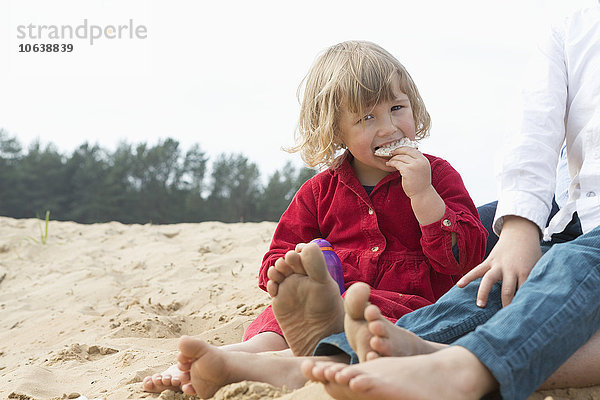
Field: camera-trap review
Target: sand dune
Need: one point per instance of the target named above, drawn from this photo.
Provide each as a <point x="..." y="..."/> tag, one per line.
<point x="97" y="307"/>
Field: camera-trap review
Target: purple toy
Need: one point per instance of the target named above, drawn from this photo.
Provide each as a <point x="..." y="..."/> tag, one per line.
<point x="334" y="265"/>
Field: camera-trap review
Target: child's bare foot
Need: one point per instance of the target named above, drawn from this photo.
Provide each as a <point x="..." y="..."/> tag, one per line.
<point x="371" y="335"/>
<point x="169" y="379"/>
<point x="307" y="301"/>
<point x="454" y="373"/>
<point x="207" y="368"/>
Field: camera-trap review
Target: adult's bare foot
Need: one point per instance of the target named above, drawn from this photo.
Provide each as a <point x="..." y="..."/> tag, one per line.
<point x="167" y="380"/>
<point x="390" y="340"/>
<point x="355" y="324"/>
<point x="306" y="300"/>
<point x="371" y="335"/>
<point x="454" y="373"/>
<point x="206" y="368"/>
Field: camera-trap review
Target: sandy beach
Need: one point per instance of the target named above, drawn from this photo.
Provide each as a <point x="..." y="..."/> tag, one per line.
<point x="97" y="307"/>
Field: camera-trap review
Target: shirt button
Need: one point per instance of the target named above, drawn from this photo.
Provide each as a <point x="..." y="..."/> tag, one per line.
<point x="371" y="211"/>
<point x="446" y="222"/>
<point x="590" y="194"/>
<point x="374" y="249"/>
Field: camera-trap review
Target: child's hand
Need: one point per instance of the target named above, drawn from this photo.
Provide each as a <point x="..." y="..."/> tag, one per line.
<point x="510" y="261"/>
<point x="414" y="168"/>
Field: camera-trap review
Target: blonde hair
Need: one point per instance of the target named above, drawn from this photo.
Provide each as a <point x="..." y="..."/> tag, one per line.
<point x="357" y="75"/>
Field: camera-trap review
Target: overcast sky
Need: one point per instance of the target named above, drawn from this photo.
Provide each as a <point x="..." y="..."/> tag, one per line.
<point x="225" y="74"/>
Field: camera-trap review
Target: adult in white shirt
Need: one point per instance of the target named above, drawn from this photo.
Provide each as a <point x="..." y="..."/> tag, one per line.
<point x="536" y="305"/>
<point x="487" y="211"/>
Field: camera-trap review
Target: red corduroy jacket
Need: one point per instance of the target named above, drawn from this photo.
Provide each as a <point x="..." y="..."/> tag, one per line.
<point x="379" y="239"/>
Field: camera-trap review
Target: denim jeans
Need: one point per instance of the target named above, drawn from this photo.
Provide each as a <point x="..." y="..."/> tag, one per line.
<point x="553" y="314"/>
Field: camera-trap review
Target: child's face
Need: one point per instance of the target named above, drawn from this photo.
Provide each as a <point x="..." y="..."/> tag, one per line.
<point x="387" y="122"/>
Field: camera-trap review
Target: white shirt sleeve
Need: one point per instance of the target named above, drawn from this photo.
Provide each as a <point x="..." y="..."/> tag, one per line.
<point x="527" y="178"/>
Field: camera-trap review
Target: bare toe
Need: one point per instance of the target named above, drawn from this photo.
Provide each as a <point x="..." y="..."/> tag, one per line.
<point x="274" y="275"/>
<point x="372" y="313"/>
<point x="315" y="371"/>
<point x="355" y="325"/>
<point x="380" y="342"/>
<point x="148" y="385"/>
<point x="332" y="369"/>
<point x="283" y="267"/>
<point x="381" y="346"/>
<point x="309" y="370"/>
<point x="167" y="380"/>
<point x="313" y="263"/>
<point x="346" y="374"/>
<point x="371" y="355"/>
<point x="294" y="261"/>
<point x="361" y="383"/>
<point x="357" y="298"/>
<point x="188" y="388"/>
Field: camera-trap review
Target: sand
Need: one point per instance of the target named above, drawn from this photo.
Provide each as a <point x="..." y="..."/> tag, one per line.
<point x="97" y="307"/>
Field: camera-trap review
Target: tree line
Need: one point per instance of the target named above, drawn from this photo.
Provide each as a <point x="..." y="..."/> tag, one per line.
<point x="140" y="183"/>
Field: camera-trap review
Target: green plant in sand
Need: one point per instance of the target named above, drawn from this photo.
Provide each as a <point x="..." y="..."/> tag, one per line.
<point x="43" y="224"/>
<point x="44" y="229"/>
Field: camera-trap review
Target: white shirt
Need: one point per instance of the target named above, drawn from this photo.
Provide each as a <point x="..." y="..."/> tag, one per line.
<point x="561" y="102"/>
<point x="563" y="179"/>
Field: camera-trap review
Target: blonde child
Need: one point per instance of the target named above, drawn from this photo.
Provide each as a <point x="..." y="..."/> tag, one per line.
<point x="405" y="225"/>
<point x="533" y="319"/>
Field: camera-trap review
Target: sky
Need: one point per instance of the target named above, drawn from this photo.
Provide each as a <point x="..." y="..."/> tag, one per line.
<point x="225" y="75"/>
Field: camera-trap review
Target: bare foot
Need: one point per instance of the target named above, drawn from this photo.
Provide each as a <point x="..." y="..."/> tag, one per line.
<point x="371" y="335"/>
<point x="167" y="380"/>
<point x="390" y="340"/>
<point x="355" y="325"/>
<point x="207" y="368"/>
<point x="263" y="342"/>
<point x="306" y="300"/>
<point x="454" y="373"/>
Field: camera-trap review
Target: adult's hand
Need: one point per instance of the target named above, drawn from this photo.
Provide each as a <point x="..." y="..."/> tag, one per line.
<point x="510" y="261"/>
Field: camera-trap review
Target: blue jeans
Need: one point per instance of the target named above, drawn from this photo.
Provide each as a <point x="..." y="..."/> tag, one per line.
<point x="553" y="314"/>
